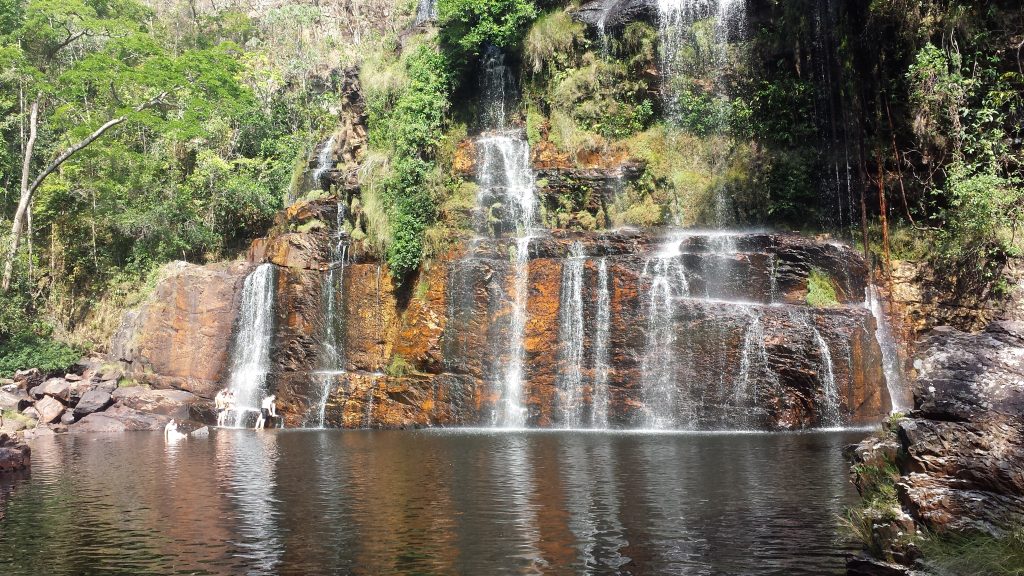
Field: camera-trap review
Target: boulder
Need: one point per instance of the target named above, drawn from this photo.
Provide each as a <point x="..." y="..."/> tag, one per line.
<point x="28" y="378"/>
<point x="72" y="377"/>
<point x="14" y="455"/>
<point x="119" y="418"/>
<point x="68" y="418"/>
<point x="58" y="388"/>
<point x="16" y="400"/>
<point x="94" y="400"/>
<point x="172" y="403"/>
<point x="31" y="413"/>
<point x="49" y="409"/>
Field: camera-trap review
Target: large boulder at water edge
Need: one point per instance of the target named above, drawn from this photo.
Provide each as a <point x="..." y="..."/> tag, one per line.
<point x="963" y="449"/>
<point x="173" y="403"/>
<point x="120" y="419"/>
<point x="49" y="410"/>
<point x="14" y="455"/>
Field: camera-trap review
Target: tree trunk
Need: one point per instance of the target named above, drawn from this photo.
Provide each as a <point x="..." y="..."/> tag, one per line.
<point x="23" y="201"/>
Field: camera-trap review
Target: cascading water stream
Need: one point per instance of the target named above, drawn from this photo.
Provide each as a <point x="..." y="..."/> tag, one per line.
<point x="426" y="11"/>
<point x="599" y="395"/>
<point x="667" y="276"/>
<point x="898" y="393"/>
<point x="333" y="349"/>
<point x="324" y="161"/>
<point x="250" y="357"/>
<point x="507" y="205"/>
<point x="830" y="415"/>
<point x="570" y="380"/>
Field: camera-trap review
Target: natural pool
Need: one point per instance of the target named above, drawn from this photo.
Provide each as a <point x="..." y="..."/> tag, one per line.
<point x="429" y="502"/>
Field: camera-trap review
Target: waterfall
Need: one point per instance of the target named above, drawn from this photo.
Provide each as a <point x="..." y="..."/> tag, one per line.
<point x="894" y="380"/>
<point x="250" y="356"/>
<point x="426" y="11"/>
<point x="506" y="204"/>
<point x="570" y="379"/>
<point x="599" y="395"/>
<point x="512" y="412"/>
<point x="745" y="388"/>
<point x="668" y="282"/>
<point x="332" y="345"/>
<point x="324" y="161"/>
<point x="830" y="415"/>
<point x="676" y="19"/>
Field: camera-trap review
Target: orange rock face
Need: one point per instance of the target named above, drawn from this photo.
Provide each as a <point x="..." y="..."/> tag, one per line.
<point x="743" y="350"/>
<point x="180" y="338"/>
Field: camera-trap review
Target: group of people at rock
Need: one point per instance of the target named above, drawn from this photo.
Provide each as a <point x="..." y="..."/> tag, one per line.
<point x="224" y="403"/>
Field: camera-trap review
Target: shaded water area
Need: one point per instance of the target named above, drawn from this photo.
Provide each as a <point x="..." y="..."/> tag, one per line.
<point x="429" y="502"/>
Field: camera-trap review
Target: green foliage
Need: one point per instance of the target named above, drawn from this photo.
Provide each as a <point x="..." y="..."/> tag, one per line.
<point x="552" y="41"/>
<point x="975" y="554"/>
<point x="821" y="292"/>
<point x="409" y="123"/>
<point x="470" y="25"/>
<point x="399" y="367"/>
<point x="31" y="351"/>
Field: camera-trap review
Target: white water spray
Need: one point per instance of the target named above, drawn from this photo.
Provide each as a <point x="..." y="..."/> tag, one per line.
<point x="250" y="362"/>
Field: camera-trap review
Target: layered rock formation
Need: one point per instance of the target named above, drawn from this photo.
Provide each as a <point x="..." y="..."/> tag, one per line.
<point x="750" y="352"/>
<point x="960" y="452"/>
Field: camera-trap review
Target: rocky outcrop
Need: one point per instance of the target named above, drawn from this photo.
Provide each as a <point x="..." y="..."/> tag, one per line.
<point x="960" y="452"/>
<point x="614" y="14"/>
<point x="963" y="448"/>
<point x="14" y="455"/>
<point x="180" y="338"/>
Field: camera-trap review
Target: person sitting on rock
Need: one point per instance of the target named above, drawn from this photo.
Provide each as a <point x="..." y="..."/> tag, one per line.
<point x="268" y="409"/>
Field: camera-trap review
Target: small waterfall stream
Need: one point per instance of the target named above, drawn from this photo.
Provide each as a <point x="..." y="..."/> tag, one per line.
<point x="570" y="380"/>
<point x="251" y="352"/>
<point x="666" y="274"/>
<point x="324" y="161"/>
<point x="830" y="415"/>
<point x="599" y="395"/>
<point x="894" y="379"/>
<point x="426" y="11"/>
<point x="333" y="344"/>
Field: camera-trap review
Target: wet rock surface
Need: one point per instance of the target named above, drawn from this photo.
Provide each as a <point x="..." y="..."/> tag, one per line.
<point x="180" y="338"/>
<point x="960" y="452"/>
<point x="613" y="14"/>
<point x="963" y="447"/>
<point x="434" y="351"/>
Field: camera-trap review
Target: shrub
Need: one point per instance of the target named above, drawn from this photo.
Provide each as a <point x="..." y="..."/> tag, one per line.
<point x="974" y="554"/>
<point x="32" y="351"/>
<point x="821" y="293"/>
<point x="469" y="25"/>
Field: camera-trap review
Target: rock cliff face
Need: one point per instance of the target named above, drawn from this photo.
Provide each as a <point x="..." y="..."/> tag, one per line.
<point x="180" y="338"/>
<point x="960" y="452"/>
<point x="744" y="351"/>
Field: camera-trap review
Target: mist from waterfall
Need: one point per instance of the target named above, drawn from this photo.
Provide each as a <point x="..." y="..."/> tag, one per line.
<point x="250" y="355"/>
<point x="571" y="337"/>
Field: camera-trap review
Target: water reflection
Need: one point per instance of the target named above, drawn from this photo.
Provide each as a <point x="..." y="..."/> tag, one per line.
<point x="328" y="502"/>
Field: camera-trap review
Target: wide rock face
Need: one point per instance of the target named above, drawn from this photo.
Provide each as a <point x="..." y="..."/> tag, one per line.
<point x="180" y="338"/>
<point x="14" y="455"/>
<point x="962" y="454"/>
<point x="682" y="330"/>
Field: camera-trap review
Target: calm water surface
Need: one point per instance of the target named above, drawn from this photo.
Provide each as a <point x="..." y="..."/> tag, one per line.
<point x="479" y="503"/>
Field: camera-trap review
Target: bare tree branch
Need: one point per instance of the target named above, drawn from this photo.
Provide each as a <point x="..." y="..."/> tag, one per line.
<point x="28" y="189"/>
